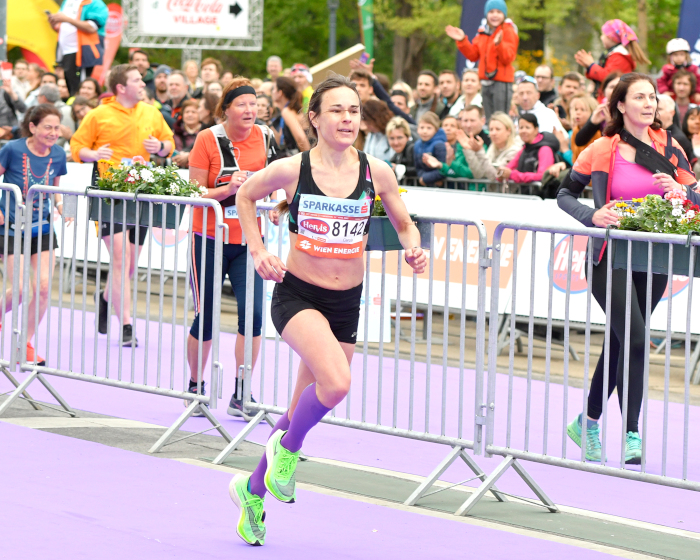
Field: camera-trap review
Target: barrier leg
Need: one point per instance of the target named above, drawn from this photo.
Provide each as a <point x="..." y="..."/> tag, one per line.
<point x="21" y="389"/>
<point x="455" y="453"/>
<point x="481" y="475"/>
<point x="433" y="476"/>
<point x="165" y="438"/>
<point x="18" y="391"/>
<point x="55" y="395"/>
<point x="219" y="428"/>
<point x="242" y="435"/>
<point x="488" y="484"/>
<point x="549" y="504"/>
<point x="27" y="397"/>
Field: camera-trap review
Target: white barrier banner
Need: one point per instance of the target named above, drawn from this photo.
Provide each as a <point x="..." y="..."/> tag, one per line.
<point x="578" y="299"/>
<point x="490" y="208"/>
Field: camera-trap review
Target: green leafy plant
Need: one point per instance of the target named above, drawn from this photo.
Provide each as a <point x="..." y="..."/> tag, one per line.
<point x="143" y="179"/>
<point x="672" y="213"/>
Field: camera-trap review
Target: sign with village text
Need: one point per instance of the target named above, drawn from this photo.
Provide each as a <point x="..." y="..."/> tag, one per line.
<point x="194" y="18"/>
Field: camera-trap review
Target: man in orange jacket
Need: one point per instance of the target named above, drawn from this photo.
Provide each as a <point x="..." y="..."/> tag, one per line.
<point x="123" y="127"/>
<point x="494" y="48"/>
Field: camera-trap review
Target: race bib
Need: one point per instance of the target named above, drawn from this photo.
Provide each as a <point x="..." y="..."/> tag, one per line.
<point x="331" y="227"/>
<point x="230" y="213"/>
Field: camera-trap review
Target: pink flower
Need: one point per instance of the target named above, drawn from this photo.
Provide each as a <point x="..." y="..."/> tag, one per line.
<point x="675" y="194"/>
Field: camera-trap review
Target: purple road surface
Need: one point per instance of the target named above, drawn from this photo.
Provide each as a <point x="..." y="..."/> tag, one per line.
<point x="68" y="498"/>
<point x="645" y="502"/>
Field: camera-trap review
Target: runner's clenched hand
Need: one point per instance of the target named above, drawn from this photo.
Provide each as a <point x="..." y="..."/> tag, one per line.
<point x="416" y="259"/>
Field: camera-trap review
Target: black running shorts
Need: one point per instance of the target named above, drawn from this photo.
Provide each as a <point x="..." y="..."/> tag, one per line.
<point x="340" y="307"/>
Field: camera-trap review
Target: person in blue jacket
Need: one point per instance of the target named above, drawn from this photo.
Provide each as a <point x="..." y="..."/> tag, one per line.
<point x="81" y="38"/>
<point x="34" y="159"/>
<point x="431" y="142"/>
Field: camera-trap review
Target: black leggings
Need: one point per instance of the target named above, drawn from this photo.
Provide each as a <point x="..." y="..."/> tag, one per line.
<point x="638" y="302"/>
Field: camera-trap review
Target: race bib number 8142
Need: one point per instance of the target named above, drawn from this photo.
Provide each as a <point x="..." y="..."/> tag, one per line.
<point x="331" y="227"/>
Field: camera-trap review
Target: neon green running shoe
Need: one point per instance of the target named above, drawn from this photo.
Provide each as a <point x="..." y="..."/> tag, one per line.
<point x="593" y="447"/>
<point x="251" y="518"/>
<point x="281" y="466"/>
<point x="633" y="449"/>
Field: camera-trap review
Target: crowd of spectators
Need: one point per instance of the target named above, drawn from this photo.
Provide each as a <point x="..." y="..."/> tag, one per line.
<point x="490" y="123"/>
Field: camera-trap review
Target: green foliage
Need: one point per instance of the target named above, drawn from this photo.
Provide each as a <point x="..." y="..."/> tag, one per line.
<point x="423" y="19"/>
<point x="428" y="17"/>
<point x="163" y="181"/>
<point x="529" y="15"/>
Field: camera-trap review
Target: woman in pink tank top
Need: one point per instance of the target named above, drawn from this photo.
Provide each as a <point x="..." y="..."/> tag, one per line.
<point x="608" y="164"/>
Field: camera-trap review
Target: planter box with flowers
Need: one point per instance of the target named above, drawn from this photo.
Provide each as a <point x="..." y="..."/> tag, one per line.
<point x="382" y="235"/>
<point x="672" y="213"/>
<point x="143" y="179"/>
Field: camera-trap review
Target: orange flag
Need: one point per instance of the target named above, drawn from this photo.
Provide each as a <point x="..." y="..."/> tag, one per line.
<point x="113" y="38"/>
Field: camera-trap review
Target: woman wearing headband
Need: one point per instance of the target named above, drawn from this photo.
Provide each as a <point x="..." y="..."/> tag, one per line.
<point x="622" y="53"/>
<point x="222" y="158"/>
<point x="330" y="191"/>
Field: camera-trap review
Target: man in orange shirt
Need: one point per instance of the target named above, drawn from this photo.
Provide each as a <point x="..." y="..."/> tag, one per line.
<point x="121" y="128"/>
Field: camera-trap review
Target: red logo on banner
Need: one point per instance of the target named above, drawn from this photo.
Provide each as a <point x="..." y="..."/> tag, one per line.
<point x="578" y="264"/>
<point x="678" y="283"/>
<point x="195" y="6"/>
<point x="114" y="22"/>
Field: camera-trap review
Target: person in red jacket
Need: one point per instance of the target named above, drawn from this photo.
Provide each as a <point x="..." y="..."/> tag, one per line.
<point x="623" y="53"/>
<point x="494" y="47"/>
<point x="678" y="51"/>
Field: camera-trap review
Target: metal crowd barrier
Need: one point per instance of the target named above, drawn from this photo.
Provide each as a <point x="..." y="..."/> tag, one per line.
<point x="487" y="185"/>
<point x="386" y="396"/>
<point x="409" y="391"/>
<point x="8" y="356"/>
<point x="71" y="346"/>
<point x="526" y="419"/>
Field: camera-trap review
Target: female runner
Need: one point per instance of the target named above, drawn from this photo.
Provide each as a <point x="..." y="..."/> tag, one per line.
<point x="316" y="303"/>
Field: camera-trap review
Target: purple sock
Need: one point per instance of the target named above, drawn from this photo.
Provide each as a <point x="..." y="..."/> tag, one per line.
<point x="308" y="413"/>
<point x="256" y="485"/>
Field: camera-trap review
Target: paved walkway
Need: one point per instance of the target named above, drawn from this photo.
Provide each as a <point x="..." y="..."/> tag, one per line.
<point x="86" y="500"/>
<point x="106" y="496"/>
<point x="97" y="493"/>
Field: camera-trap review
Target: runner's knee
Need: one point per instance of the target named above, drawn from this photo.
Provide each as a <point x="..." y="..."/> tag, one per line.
<point x="337" y="386"/>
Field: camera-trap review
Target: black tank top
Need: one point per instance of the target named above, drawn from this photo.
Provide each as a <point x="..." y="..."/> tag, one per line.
<point x="307" y="185"/>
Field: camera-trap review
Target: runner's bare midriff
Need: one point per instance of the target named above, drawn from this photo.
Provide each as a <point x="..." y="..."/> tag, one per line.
<point x="332" y="274"/>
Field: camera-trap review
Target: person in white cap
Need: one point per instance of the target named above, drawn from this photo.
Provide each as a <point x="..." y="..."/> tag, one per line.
<point x="302" y="77"/>
<point x="678" y="51"/>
